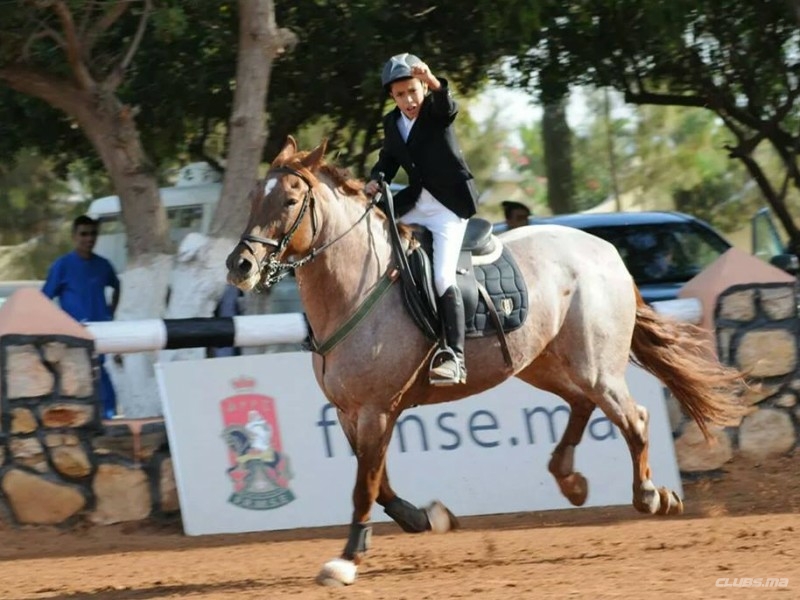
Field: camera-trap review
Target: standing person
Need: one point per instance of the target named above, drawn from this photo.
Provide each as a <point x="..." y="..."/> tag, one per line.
<point x="79" y="281"/>
<point x="516" y="213"/>
<point x="441" y="195"/>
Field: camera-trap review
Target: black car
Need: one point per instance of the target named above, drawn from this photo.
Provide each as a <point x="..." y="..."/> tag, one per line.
<point x="662" y="250"/>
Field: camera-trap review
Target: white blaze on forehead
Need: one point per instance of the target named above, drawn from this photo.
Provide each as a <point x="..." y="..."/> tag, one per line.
<point x="269" y="184"/>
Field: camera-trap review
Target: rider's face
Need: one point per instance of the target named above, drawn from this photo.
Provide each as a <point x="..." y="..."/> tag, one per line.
<point x="408" y="94"/>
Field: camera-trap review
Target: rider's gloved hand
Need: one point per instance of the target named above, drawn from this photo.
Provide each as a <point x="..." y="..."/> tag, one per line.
<point x="371" y="188"/>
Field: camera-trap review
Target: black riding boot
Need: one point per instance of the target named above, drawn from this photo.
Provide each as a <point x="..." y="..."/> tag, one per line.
<point x="448" y="367"/>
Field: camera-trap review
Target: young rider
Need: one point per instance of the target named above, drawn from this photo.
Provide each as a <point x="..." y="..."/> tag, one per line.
<point x="419" y="136"/>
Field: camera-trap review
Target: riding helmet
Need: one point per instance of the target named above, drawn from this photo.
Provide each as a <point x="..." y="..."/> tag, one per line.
<point x="398" y="67"/>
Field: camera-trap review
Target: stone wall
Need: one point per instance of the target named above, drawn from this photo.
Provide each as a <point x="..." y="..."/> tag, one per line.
<point x="59" y="463"/>
<point x="757" y="330"/>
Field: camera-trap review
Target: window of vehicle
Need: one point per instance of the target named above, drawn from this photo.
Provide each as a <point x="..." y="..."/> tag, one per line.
<point x="664" y="252"/>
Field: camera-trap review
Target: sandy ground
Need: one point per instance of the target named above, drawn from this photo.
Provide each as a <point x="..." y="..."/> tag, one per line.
<point x="742" y="525"/>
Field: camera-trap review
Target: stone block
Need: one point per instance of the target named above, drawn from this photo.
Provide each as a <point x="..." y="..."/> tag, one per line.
<point x="76" y="373"/>
<point x="122" y="494"/>
<point x="67" y="414"/>
<point x="786" y="400"/>
<point x="695" y="454"/>
<point x="738" y="306"/>
<point x="28" y="451"/>
<point x="51" y="439"/>
<point x="71" y="461"/>
<point x="779" y="303"/>
<point x="36" y="500"/>
<point x="766" y="432"/>
<point x="767" y="353"/>
<point x="23" y="421"/>
<point x="26" y="375"/>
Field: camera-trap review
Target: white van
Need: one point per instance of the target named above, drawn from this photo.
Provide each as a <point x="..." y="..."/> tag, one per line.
<point x="190" y="206"/>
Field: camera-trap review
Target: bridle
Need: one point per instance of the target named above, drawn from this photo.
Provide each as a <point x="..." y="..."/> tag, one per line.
<point x="272" y="269"/>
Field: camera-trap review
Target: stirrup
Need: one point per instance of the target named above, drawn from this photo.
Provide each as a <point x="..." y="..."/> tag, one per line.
<point x="446" y="368"/>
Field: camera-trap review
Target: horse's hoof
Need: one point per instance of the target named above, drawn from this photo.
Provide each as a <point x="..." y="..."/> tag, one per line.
<point x="647" y="499"/>
<point x="337" y="573"/>
<point x="575" y="488"/>
<point x="670" y="503"/>
<point x="440" y="517"/>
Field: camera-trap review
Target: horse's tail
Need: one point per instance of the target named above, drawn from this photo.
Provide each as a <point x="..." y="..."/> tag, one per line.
<point x="677" y="353"/>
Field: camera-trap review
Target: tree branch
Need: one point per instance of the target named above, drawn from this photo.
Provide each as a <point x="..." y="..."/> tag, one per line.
<point x="88" y="9"/>
<point x="104" y="23"/>
<point x="73" y="46"/>
<point x="118" y="73"/>
<point x="44" y="33"/>
<point x="58" y="92"/>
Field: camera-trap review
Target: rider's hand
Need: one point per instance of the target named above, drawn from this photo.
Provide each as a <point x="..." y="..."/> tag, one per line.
<point x="371" y="188"/>
<point x="422" y="72"/>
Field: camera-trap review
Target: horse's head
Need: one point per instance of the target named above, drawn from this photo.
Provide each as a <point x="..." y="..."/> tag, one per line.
<point x="282" y="223"/>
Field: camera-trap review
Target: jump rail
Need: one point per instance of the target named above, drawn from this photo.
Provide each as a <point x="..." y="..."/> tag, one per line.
<point x="119" y="337"/>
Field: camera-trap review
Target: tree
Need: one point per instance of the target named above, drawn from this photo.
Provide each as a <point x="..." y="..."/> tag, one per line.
<point x="57" y="54"/>
<point x="737" y="59"/>
<point x="57" y="58"/>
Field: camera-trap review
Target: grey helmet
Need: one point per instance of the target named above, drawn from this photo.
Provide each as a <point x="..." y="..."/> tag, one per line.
<point x="398" y="67"/>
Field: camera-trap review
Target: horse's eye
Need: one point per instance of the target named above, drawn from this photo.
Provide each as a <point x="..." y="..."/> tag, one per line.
<point x="290" y="201"/>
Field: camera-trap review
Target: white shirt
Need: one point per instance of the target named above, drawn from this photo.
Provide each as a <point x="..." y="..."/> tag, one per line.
<point x="426" y="199"/>
<point x="404" y="124"/>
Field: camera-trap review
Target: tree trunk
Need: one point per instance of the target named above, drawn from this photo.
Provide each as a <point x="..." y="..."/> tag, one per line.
<point x="198" y="280"/>
<point x="557" y="139"/>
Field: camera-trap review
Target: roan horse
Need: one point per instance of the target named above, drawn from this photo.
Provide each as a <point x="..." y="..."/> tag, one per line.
<point x="587" y="321"/>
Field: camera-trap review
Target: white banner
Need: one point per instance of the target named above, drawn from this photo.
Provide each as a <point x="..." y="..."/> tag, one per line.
<point x="256" y="446"/>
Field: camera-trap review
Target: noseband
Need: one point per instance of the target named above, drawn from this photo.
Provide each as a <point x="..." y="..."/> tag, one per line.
<point x="271" y="268"/>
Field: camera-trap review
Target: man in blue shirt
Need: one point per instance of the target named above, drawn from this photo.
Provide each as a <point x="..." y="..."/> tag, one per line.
<point x="79" y="281"/>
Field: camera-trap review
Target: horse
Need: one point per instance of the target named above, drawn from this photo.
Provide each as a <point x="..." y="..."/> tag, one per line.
<point x="587" y="322"/>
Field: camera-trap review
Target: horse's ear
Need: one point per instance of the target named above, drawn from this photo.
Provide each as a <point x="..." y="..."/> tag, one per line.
<point x="289" y="149"/>
<point x="314" y="158"/>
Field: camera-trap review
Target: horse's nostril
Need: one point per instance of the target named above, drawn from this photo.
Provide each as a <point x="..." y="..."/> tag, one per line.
<point x="244" y="265"/>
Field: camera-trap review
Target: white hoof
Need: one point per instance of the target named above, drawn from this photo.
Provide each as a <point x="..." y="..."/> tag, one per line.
<point x="338" y="572"/>
<point x="441" y="519"/>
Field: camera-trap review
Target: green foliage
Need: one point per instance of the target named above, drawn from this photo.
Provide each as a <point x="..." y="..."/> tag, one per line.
<point x="736" y="59"/>
<point x="31" y="198"/>
<point x="182" y="78"/>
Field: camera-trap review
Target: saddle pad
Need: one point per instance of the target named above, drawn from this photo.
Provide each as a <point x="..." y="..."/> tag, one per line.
<point x="503" y="280"/>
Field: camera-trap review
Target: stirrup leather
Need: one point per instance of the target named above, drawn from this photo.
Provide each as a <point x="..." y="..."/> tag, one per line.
<point x="447" y="368"/>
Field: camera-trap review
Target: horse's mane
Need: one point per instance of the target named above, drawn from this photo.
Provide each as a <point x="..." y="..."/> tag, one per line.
<point x="341" y="177"/>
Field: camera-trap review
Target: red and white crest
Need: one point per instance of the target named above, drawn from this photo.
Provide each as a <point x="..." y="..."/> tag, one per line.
<point x="259" y="469"/>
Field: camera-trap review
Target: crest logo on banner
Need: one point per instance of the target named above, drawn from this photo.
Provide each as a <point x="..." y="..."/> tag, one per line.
<point x="259" y="469"/>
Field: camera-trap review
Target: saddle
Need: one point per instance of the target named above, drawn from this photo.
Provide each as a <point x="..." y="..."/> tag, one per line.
<point x="492" y="287"/>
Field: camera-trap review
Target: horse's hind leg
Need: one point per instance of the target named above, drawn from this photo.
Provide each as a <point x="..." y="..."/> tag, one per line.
<point x="562" y="462"/>
<point x="616" y="402"/>
<point x="582" y="391"/>
<point x="573" y="484"/>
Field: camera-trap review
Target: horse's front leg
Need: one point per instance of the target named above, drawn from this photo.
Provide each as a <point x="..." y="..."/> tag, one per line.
<point x="369" y="433"/>
<point x="435" y="517"/>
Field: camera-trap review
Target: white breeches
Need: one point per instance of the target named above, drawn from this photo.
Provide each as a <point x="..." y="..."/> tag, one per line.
<point x="448" y="233"/>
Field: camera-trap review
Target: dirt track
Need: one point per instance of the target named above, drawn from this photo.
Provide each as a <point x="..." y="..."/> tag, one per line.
<point x="744" y="525"/>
